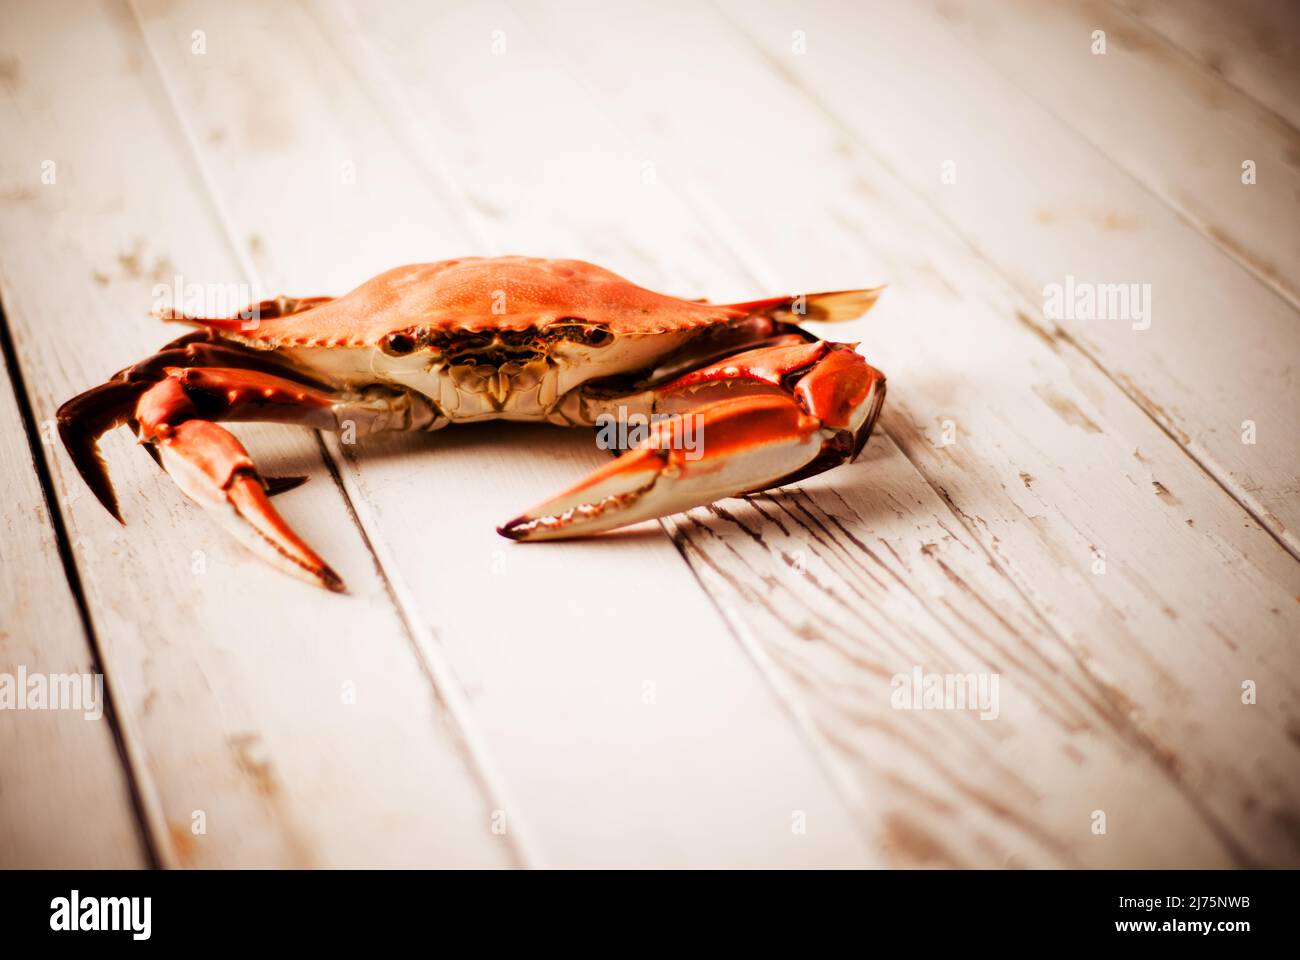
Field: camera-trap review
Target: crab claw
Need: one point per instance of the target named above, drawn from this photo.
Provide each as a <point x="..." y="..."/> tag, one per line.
<point x="749" y="443"/>
<point x="772" y="434"/>
<point x="87" y="417"/>
<point x="213" y="469"/>
<point x="172" y="409"/>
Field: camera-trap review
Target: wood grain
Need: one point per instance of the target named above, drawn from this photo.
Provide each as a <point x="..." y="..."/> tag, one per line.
<point x="1062" y="505"/>
<point x="1254" y="46"/>
<point x="1177" y="128"/>
<point x="232" y="683"/>
<point x="1042" y="205"/>
<point x="744" y="553"/>
<point x="1042" y="484"/>
<point x="54" y="764"/>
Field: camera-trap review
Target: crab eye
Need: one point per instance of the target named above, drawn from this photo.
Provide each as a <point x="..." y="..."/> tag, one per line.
<point x="398" y="344"/>
<point x="598" y="336"/>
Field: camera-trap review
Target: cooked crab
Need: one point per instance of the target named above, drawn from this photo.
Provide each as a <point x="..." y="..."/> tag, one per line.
<point x="738" y="398"/>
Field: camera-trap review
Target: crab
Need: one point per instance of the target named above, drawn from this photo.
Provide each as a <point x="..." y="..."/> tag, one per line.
<point x="730" y="399"/>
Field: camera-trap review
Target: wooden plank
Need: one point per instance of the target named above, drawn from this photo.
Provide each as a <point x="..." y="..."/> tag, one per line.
<point x="627" y="722"/>
<point x="1052" y="468"/>
<point x="1177" y="128"/>
<point x="883" y="555"/>
<point x="1041" y="204"/>
<point x="1254" y="46"/>
<point x="294" y="728"/>
<point x="55" y="764"/>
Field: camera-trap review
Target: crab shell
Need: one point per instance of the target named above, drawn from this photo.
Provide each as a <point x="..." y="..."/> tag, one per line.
<point x="506" y="337"/>
<point x="421" y="301"/>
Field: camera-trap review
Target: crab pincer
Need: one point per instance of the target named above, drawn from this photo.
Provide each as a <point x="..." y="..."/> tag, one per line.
<point x="764" y="435"/>
<point x="176" y="416"/>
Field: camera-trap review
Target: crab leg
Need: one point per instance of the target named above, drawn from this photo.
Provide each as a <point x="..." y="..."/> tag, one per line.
<point x="203" y="348"/>
<point x="174" y="411"/>
<point x="251" y="316"/>
<point x="84" y="418"/>
<point x="758" y="419"/>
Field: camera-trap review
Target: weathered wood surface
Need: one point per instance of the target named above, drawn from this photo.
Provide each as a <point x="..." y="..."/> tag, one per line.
<point x="687" y="698"/>
<point x="1043" y="487"/>
<point x="1254" y="46"/>
<point x="745" y="554"/>
<point x="1227" y="164"/>
<point x="1042" y="204"/>
<point x="230" y="681"/>
<point x="54" y="764"/>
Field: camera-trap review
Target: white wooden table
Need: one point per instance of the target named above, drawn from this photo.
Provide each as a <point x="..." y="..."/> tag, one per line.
<point x="1104" y="515"/>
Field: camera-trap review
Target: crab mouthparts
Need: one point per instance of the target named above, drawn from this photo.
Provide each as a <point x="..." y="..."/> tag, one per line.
<point x="498" y="380"/>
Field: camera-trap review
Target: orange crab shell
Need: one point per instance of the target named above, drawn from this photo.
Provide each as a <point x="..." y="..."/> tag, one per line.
<point x="473" y="294"/>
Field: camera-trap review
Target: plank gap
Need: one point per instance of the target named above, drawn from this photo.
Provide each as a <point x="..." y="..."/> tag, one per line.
<point x="145" y="810"/>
